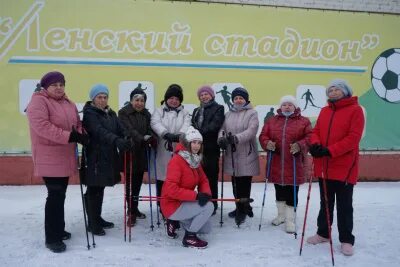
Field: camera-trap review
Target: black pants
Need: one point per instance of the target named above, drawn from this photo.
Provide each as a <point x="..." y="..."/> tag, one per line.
<point x="285" y="193"/>
<point x="211" y="169"/>
<point x="344" y="209"/>
<point x="133" y="189"/>
<point x="241" y="186"/>
<point x="54" y="223"/>
<point x="94" y="203"/>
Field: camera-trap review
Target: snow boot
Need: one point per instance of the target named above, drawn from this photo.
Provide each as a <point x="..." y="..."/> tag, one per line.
<point x="93" y="211"/>
<point x="131" y="220"/>
<point x="347" y="249"/>
<point x="191" y="240"/>
<point x="171" y="229"/>
<point x="232" y="214"/>
<point x="66" y="235"/>
<point x="317" y="239"/>
<point x="56" y="247"/>
<point x="105" y="224"/>
<point x="290" y="225"/>
<point x="241" y="213"/>
<point x="280" y="218"/>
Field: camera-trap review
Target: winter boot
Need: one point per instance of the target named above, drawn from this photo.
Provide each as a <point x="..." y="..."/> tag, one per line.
<point x="131" y="220"/>
<point x="232" y="214"/>
<point x="105" y="224"/>
<point x="290" y="224"/>
<point x="139" y="215"/>
<point x="241" y="214"/>
<point x="171" y="229"/>
<point x="192" y="241"/>
<point x="281" y="205"/>
<point x="347" y="249"/>
<point x="66" y="235"/>
<point x="316" y="239"/>
<point x="250" y="212"/>
<point x="56" y="247"/>
<point x="93" y="210"/>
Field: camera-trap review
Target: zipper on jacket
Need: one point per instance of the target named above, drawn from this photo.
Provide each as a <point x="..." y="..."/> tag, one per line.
<point x="327" y="137"/>
<point x="282" y="150"/>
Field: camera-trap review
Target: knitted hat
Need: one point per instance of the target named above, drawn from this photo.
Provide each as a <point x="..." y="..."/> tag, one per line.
<point x="193" y="134"/>
<point x="205" y="89"/>
<point x="98" y="89"/>
<point x="50" y="78"/>
<point x="174" y="90"/>
<point x="136" y="92"/>
<point x="240" y="91"/>
<point x="288" y="99"/>
<point x="342" y="85"/>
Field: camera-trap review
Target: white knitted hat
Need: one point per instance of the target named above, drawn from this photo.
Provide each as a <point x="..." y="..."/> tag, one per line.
<point x="193" y="134"/>
<point x="289" y="99"/>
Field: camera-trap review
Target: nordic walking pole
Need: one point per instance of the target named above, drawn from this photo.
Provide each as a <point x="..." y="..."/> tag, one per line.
<point x="155" y="181"/>
<point x="149" y="182"/>
<point x="233" y="150"/>
<point x="269" y="159"/>
<point x="130" y="194"/>
<point x="306" y="212"/>
<point x="222" y="182"/>
<point x="328" y="220"/>
<point x="125" y="199"/>
<point x="81" y="168"/>
<point x="294" y="195"/>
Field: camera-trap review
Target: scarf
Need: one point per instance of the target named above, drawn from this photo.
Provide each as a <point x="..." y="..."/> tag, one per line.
<point x="192" y="159"/>
<point x="200" y="119"/>
<point x="237" y="108"/>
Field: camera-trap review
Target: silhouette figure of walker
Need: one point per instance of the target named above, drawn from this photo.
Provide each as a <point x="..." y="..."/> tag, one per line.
<point x="139" y="86"/>
<point x="269" y="115"/>
<point x="226" y="96"/>
<point x="309" y="98"/>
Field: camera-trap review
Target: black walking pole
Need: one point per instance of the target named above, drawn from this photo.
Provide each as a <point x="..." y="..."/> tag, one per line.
<point x="222" y="182"/>
<point x="233" y="150"/>
<point x="294" y="195"/>
<point x="267" y="174"/>
<point x="82" y="170"/>
<point x="148" y="150"/>
<point x="155" y="181"/>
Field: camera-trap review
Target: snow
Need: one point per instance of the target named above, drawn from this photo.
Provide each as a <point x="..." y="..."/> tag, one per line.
<point x="376" y="220"/>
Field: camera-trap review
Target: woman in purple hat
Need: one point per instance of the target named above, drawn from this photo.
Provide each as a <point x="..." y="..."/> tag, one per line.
<point x="55" y="129"/>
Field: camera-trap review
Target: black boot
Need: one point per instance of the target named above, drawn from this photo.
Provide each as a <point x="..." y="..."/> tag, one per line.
<point x="105" y="224"/>
<point x="66" y="235"/>
<point x="93" y="210"/>
<point x="232" y="214"/>
<point x="241" y="214"/>
<point x="56" y="247"/>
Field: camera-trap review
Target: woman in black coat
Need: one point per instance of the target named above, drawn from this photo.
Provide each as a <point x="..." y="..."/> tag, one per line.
<point x="208" y="119"/>
<point x="136" y="120"/>
<point x="102" y="157"/>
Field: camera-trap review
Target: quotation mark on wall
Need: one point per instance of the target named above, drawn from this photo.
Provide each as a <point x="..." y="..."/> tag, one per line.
<point x="370" y="41"/>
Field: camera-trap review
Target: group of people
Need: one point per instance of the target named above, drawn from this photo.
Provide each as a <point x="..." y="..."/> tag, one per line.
<point x="187" y="152"/>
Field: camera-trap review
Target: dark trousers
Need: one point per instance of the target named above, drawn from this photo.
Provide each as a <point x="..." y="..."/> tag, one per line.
<point x="159" y="185"/>
<point x="54" y="223"/>
<point x="241" y="186"/>
<point x="344" y="209"/>
<point x="133" y="189"/>
<point x="94" y="203"/>
<point x="285" y="193"/>
<point x="211" y="169"/>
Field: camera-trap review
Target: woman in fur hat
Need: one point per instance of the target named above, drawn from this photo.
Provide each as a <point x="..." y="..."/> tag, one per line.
<point x="286" y="135"/>
<point x="180" y="202"/>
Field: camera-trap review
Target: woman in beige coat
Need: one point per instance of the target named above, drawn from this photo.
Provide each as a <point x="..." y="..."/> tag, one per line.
<point x="238" y="137"/>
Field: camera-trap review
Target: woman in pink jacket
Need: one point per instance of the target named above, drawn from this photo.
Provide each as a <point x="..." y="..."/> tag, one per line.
<point x="54" y="124"/>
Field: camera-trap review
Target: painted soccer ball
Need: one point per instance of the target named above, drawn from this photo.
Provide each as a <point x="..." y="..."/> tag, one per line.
<point x="385" y="75"/>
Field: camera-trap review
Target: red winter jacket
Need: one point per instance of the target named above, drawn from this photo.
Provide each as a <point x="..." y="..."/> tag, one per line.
<point x="339" y="127"/>
<point x="180" y="183"/>
<point x="285" y="131"/>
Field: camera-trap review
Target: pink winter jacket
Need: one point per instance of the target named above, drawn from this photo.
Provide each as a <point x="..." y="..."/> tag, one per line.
<point x="50" y="124"/>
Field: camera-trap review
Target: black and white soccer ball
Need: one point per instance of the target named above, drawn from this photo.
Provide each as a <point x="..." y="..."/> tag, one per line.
<point x="385" y="75"/>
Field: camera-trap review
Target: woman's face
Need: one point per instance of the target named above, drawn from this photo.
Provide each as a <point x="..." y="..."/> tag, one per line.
<point x="173" y="102"/>
<point x="205" y="97"/>
<point x="195" y="146"/>
<point x="101" y="101"/>
<point x="56" y="90"/>
<point x="335" y="93"/>
<point x="138" y="103"/>
<point x="287" y="107"/>
<point x="238" y="100"/>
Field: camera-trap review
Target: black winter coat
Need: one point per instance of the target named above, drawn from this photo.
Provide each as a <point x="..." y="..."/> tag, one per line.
<point x="102" y="157"/>
<point x="214" y="117"/>
<point x="137" y="125"/>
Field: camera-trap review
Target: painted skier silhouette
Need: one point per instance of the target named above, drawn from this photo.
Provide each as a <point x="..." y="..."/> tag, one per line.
<point x="309" y="98"/>
<point x="226" y="96"/>
<point x="38" y="87"/>
<point x="269" y="115"/>
<point x="139" y="86"/>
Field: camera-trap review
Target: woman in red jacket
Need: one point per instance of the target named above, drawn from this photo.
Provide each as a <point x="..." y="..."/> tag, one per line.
<point x="180" y="202"/>
<point x="286" y="135"/>
<point x="335" y="140"/>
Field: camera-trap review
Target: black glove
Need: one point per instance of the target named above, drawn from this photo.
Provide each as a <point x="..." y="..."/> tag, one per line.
<point x="314" y="149"/>
<point x="123" y="144"/>
<point x="232" y="139"/>
<point x="318" y="151"/>
<point x="223" y="143"/>
<point x="77" y="137"/>
<point x="202" y="198"/>
<point x="168" y="137"/>
<point x="175" y="138"/>
<point x="152" y="142"/>
<point x="324" y="151"/>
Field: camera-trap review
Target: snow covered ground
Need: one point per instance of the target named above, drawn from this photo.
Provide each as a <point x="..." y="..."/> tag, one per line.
<point x="376" y="227"/>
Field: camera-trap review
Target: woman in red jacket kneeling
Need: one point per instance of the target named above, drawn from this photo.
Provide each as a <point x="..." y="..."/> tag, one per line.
<point x="180" y="202"/>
